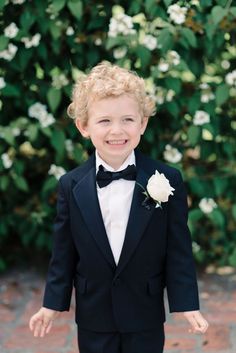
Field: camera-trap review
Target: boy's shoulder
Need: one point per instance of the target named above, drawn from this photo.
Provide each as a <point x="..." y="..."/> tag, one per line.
<point x="78" y="172"/>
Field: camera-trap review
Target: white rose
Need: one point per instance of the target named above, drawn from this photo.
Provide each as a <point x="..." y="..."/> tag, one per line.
<point x="159" y="187"/>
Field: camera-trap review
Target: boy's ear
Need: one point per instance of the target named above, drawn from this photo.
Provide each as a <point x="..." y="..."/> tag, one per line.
<point x="82" y="127"/>
<point x="144" y="124"/>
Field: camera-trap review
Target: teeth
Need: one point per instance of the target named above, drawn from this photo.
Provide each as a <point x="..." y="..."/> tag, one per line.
<point x="119" y="142"/>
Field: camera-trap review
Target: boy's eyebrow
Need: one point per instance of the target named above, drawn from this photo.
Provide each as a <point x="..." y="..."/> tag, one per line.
<point x="109" y="116"/>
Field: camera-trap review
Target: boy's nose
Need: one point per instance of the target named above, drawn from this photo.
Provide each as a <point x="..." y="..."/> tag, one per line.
<point x="116" y="128"/>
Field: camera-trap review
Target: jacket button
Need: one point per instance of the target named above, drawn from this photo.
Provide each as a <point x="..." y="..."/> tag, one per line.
<point x="116" y="282"/>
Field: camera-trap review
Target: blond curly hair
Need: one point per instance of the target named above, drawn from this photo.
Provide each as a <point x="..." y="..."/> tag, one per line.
<point x="108" y="80"/>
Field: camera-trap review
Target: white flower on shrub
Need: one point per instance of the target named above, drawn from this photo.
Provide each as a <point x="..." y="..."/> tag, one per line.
<point x="31" y="42"/>
<point x="120" y="24"/>
<point x="11" y="30"/>
<point x="196" y="247"/>
<point x="150" y="42"/>
<point x="6" y="161"/>
<point x="177" y="13"/>
<point x="56" y="171"/>
<point x="9" y="53"/>
<point x="172" y="154"/>
<point x="230" y="78"/>
<point x="173" y="57"/>
<point x="163" y="66"/>
<point x="207" y="97"/>
<point x="15" y="131"/>
<point x="17" y="2"/>
<point x="159" y="95"/>
<point x="207" y="205"/>
<point x="59" y="81"/>
<point x="201" y="117"/>
<point x="98" y="42"/>
<point x="69" y="145"/>
<point x="225" y="64"/>
<point x="119" y="53"/>
<point x="47" y="120"/>
<point x="206" y="94"/>
<point x="70" y="31"/>
<point x="2" y="82"/>
<point x="39" y="112"/>
<point x="169" y="95"/>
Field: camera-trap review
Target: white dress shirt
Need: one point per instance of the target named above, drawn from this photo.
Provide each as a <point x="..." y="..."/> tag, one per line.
<point x="115" y="202"/>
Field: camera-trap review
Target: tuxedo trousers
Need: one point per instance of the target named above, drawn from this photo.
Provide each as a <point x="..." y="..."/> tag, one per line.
<point x="150" y="341"/>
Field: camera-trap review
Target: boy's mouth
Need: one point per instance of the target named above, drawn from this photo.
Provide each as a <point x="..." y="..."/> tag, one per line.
<point x="117" y="142"/>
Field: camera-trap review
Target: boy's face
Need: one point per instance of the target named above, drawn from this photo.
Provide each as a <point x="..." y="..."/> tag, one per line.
<point x="114" y="126"/>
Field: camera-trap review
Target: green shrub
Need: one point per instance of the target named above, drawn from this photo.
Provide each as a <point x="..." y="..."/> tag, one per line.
<point x="185" y="52"/>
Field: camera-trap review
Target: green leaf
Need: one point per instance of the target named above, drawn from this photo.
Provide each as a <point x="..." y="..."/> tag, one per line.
<point x="76" y="8"/>
<point x="2" y="4"/>
<point x="210" y="29"/>
<point x="195" y="215"/>
<point x="33" y="132"/>
<point x="11" y="91"/>
<point x="189" y="36"/>
<point x="27" y="19"/>
<point x="58" y="141"/>
<point x="217" y="217"/>
<point x="193" y="134"/>
<point x="144" y="55"/>
<point x="8" y="136"/>
<point x="54" y="98"/>
<point x="168" y="2"/>
<point x="173" y="83"/>
<point x="221" y="185"/>
<point x="3" y="42"/>
<point x="50" y="184"/>
<point x="115" y="41"/>
<point x="172" y="108"/>
<point x="222" y="94"/>
<point x="4" y="182"/>
<point x="218" y="13"/>
<point x="234" y="211"/>
<point x="205" y="3"/>
<point x="21" y="183"/>
<point x="57" y="5"/>
<point x="233" y="11"/>
<point x="232" y="258"/>
<point x="165" y="39"/>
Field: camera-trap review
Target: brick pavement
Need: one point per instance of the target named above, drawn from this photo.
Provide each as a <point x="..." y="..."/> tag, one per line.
<point x="21" y="293"/>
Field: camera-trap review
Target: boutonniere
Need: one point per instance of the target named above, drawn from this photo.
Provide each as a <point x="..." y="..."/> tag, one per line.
<point x="158" y="190"/>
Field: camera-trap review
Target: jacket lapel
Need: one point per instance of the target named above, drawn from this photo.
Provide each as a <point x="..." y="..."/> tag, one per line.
<point x="85" y="194"/>
<point x="138" y="218"/>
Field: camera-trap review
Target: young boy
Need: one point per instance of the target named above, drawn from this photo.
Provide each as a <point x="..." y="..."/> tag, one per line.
<point x="120" y="235"/>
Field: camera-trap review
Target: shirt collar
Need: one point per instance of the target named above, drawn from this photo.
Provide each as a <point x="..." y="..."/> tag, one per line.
<point x="129" y="161"/>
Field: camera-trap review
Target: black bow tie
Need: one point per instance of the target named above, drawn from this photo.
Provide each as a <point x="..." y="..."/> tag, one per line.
<point x="104" y="178"/>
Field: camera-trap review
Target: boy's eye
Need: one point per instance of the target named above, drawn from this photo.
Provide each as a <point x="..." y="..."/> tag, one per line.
<point x="104" y="121"/>
<point x="129" y="119"/>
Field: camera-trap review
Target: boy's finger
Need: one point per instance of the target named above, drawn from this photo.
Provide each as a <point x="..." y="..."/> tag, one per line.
<point x="49" y="327"/>
<point x="45" y="325"/>
<point x="37" y="328"/>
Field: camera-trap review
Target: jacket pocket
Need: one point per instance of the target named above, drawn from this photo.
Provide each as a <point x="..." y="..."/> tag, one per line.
<point x="80" y="284"/>
<point x="155" y="285"/>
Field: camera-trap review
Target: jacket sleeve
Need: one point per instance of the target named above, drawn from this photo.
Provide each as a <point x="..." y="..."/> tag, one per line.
<point x="181" y="281"/>
<point x="59" y="284"/>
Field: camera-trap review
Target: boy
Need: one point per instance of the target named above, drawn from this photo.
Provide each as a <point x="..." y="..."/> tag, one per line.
<point x="117" y="244"/>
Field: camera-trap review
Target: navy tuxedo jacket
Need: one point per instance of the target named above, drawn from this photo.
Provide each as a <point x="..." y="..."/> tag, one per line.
<point x="156" y="254"/>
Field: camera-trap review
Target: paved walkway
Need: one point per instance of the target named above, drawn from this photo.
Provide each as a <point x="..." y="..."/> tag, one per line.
<point x="21" y="293"/>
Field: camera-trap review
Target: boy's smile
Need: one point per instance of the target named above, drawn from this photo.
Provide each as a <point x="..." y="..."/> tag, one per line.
<point x="115" y="127"/>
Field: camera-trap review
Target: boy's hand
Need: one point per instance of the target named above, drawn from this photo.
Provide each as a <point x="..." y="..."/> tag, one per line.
<point x="41" y="322"/>
<point x="197" y="321"/>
